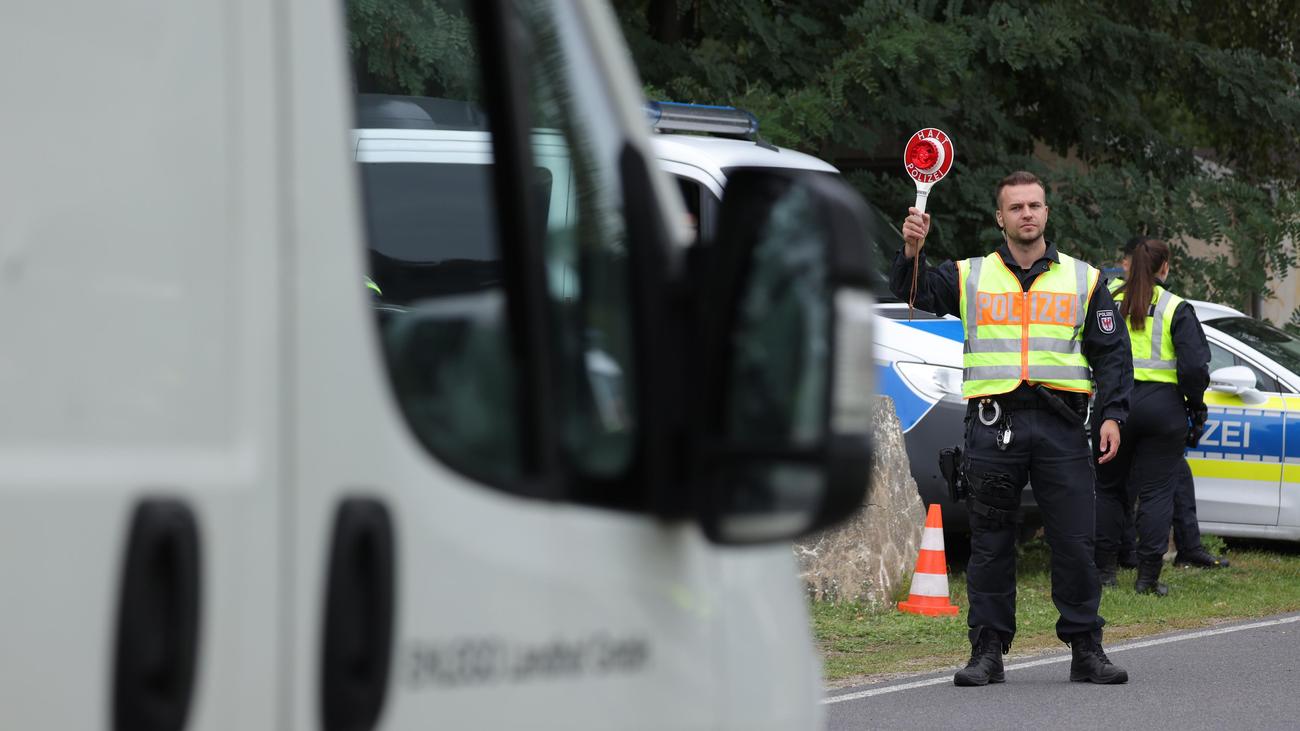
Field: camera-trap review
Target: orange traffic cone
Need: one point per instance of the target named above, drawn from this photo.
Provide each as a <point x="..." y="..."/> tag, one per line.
<point x="930" y="581"/>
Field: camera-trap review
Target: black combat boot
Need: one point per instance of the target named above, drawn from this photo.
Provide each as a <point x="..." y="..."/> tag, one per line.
<point x="1200" y="558"/>
<point x="1148" y="579"/>
<point x="1106" y="568"/>
<point x="985" y="664"/>
<point x="1090" y="663"/>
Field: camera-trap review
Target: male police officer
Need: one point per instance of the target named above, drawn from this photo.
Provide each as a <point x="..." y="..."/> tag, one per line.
<point x="1038" y="329"/>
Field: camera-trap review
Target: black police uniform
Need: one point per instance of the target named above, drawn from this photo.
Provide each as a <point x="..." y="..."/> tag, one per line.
<point x="1150" y="465"/>
<point x="1047" y="450"/>
<point x="1186" y="527"/>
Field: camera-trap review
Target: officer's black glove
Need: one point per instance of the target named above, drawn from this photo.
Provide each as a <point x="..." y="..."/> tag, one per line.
<point x="1196" y="424"/>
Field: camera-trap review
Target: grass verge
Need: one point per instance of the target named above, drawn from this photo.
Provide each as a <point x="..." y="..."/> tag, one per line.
<point x="860" y="644"/>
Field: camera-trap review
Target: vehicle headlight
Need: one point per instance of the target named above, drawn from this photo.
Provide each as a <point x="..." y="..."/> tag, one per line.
<point x="935" y="381"/>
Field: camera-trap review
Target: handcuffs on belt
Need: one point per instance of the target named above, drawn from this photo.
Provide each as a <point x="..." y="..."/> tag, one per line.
<point x="1001" y="419"/>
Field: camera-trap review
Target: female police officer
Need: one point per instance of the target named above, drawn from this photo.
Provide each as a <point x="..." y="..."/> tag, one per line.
<point x="1170" y="373"/>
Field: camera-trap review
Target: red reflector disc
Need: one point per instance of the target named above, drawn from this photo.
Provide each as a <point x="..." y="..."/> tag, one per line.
<point x="923" y="154"/>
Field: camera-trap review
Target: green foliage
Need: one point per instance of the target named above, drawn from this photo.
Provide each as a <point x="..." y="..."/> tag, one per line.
<point x="1172" y="118"/>
<point x="412" y="47"/>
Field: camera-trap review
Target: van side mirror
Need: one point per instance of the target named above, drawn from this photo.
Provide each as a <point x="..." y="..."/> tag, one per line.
<point x="784" y="311"/>
<point x="1237" y="380"/>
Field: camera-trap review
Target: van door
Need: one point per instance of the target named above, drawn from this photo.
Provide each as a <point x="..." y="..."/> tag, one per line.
<point x="519" y="593"/>
<point x="140" y="479"/>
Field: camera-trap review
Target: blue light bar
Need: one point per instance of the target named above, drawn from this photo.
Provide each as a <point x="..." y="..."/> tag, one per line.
<point x="724" y="121"/>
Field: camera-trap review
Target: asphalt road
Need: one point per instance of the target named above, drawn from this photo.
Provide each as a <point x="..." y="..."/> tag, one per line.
<point x="1244" y="675"/>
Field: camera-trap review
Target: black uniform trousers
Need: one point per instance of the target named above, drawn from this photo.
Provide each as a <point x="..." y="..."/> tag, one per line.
<point x="1150" y="466"/>
<point x="1187" y="529"/>
<point x="1053" y="454"/>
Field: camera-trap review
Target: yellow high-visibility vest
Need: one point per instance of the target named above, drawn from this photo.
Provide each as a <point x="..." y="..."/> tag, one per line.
<point x="1153" y="346"/>
<point x="1014" y="336"/>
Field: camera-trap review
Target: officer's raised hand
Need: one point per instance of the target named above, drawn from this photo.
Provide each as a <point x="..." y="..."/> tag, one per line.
<point x="915" y="228"/>
<point x="1109" y="441"/>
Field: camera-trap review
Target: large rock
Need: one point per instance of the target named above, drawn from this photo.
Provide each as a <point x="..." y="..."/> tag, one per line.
<point x="872" y="555"/>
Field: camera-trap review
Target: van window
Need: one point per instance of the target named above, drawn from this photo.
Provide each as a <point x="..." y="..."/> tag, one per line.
<point x="427" y="178"/>
<point x="594" y="315"/>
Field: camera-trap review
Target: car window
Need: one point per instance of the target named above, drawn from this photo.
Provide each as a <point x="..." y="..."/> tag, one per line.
<point x="1273" y="342"/>
<point x="405" y="201"/>
<point x="693" y="198"/>
<point x="1221" y="357"/>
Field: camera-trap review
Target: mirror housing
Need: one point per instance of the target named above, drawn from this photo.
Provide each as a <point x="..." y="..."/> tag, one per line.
<point x="1236" y="380"/>
<point x="779" y="432"/>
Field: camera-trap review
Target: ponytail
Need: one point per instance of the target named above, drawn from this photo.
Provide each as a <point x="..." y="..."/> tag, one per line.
<point x="1147" y="257"/>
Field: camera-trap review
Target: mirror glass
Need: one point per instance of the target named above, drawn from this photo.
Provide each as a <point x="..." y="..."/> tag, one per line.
<point x="781" y="343"/>
<point x="779" y="376"/>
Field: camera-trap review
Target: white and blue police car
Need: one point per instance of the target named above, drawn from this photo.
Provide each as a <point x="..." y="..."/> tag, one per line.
<point x="1247" y="466"/>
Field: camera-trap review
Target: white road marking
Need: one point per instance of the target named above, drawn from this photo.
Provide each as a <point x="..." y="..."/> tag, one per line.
<point x="1062" y="658"/>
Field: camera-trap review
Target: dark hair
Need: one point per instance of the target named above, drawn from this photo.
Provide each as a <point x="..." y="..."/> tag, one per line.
<point x="1146" y="258"/>
<point x="1019" y="177"/>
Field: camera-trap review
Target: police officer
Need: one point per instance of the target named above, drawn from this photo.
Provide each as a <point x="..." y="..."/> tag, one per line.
<point x="1187" y="530"/>
<point x="1039" y="327"/>
<point x="1171" y="372"/>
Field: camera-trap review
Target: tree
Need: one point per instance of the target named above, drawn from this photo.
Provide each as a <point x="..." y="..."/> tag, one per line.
<point x="1170" y="118"/>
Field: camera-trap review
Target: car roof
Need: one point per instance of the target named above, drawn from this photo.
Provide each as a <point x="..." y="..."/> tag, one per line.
<point x="1206" y="311"/>
<point x="717" y="154"/>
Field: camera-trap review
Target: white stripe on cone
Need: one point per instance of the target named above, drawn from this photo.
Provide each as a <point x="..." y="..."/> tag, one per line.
<point x="930" y="585"/>
<point x="932" y="539"/>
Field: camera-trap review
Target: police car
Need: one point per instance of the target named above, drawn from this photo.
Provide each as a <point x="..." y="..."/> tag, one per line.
<point x="1247" y="466"/>
<point x="917" y="356"/>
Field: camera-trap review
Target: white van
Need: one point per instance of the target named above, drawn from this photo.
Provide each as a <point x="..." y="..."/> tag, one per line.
<point x="232" y="498"/>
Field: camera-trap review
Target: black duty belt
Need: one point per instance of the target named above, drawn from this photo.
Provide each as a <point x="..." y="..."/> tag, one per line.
<point x="1041" y="399"/>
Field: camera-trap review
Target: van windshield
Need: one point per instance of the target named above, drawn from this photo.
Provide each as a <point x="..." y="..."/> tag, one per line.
<point x="431" y="227"/>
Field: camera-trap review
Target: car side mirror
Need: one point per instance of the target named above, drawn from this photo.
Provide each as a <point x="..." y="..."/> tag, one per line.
<point x="1238" y="381"/>
<point x="785" y="313"/>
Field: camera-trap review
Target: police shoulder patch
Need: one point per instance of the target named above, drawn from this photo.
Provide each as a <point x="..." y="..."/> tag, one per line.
<point x="1106" y="321"/>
